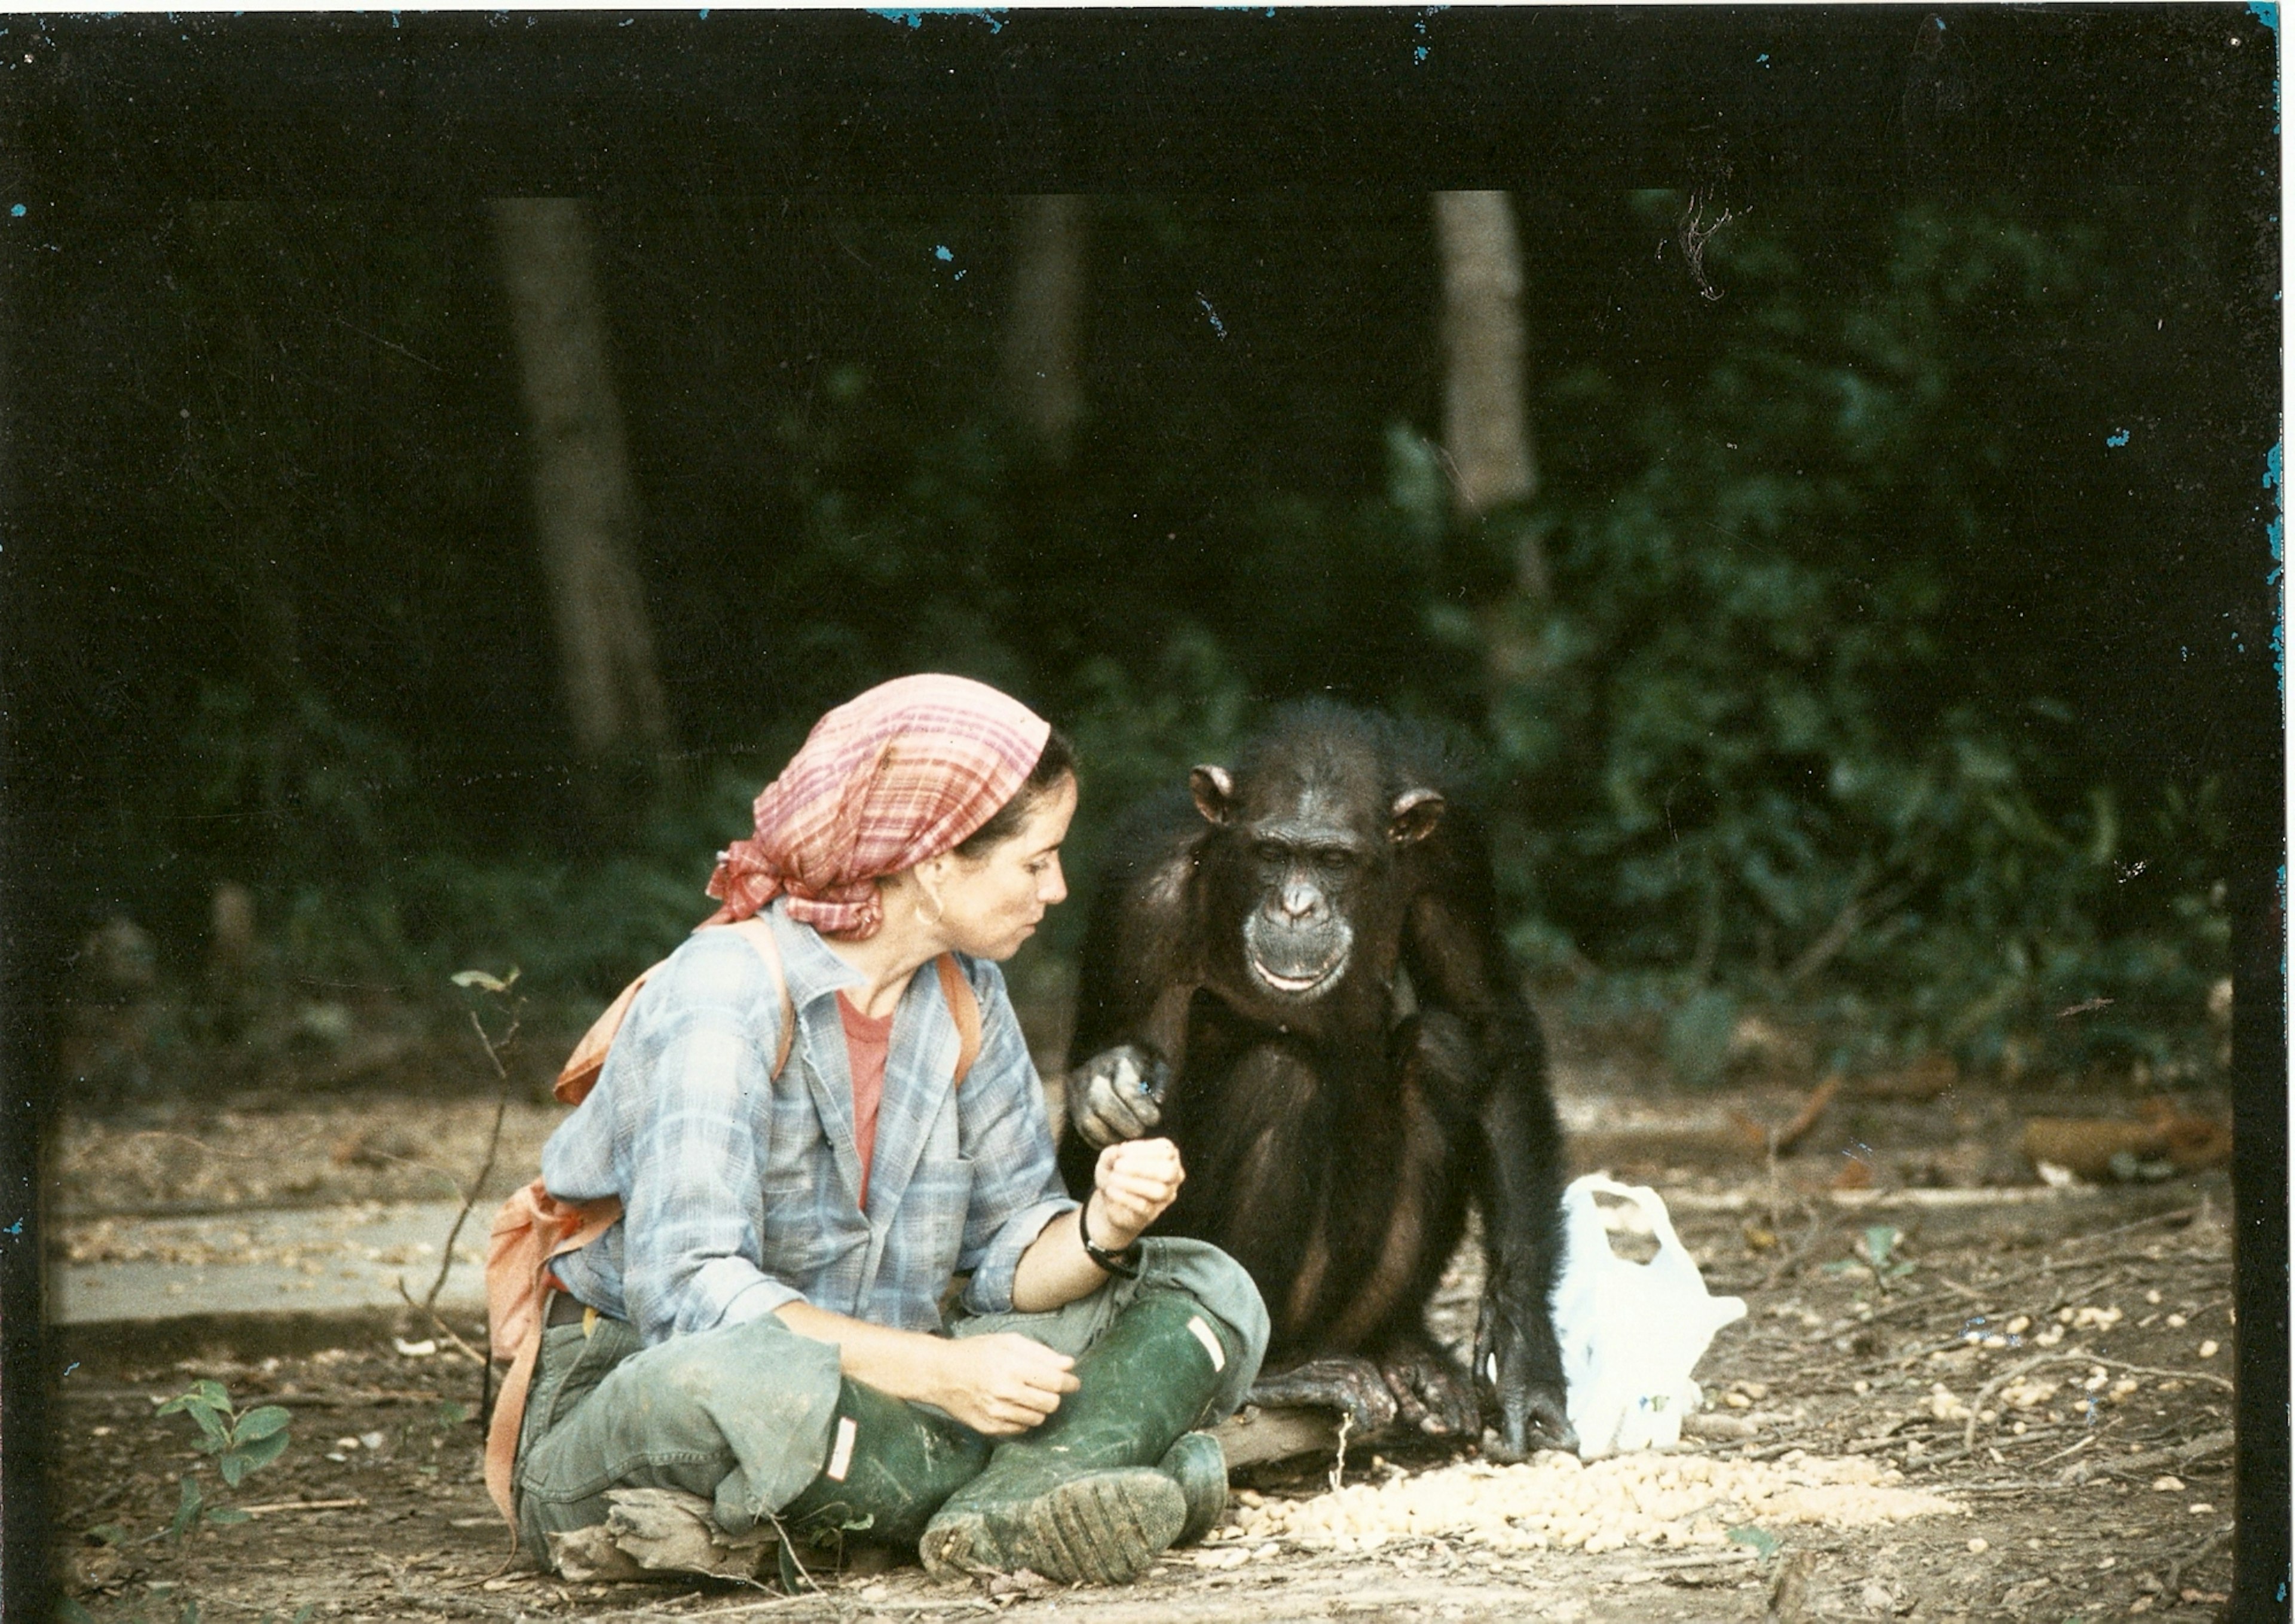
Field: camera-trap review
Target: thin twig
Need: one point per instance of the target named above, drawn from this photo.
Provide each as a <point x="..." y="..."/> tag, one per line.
<point x="2156" y="1218"/>
<point x="486" y="1168"/>
<point x="1861" y="906"/>
<point x="1790" y="1261"/>
<point x="2214" y="1543"/>
<point x="2178" y="1376"/>
<point x="438" y="1325"/>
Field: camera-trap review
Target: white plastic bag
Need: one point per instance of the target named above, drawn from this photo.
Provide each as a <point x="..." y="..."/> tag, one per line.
<point x="1630" y="1333"/>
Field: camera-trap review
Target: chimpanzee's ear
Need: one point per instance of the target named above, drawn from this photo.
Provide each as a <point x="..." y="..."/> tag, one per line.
<point x="1414" y="814"/>
<point x="1215" y="792"/>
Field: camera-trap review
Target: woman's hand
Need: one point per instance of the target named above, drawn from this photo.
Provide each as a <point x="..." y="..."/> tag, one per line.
<point x="1134" y="1181"/>
<point x="1002" y="1383"/>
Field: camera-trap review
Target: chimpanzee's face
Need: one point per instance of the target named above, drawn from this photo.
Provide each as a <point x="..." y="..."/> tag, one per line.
<point x="1313" y="862"/>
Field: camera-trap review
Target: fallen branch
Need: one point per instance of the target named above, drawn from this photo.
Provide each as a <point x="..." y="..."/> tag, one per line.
<point x="265" y="1511"/>
<point x="2150" y="1460"/>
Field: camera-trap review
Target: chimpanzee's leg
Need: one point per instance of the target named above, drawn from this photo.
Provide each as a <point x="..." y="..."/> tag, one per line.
<point x="1437" y="1082"/>
<point x="1260" y="1175"/>
<point x="1257" y="1162"/>
<point x="1392" y="1210"/>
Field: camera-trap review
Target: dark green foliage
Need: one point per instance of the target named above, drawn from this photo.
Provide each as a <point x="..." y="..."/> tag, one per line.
<point x="1849" y="683"/>
<point x="1776" y="734"/>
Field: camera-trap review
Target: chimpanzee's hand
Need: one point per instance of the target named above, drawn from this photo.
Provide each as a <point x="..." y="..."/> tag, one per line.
<point x="1118" y="1094"/>
<point x="1518" y="1375"/>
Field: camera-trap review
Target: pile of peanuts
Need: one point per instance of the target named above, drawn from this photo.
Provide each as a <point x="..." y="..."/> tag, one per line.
<point x="1554" y="1500"/>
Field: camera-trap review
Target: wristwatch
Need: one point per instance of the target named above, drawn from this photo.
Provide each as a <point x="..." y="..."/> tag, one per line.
<point x="1125" y="1262"/>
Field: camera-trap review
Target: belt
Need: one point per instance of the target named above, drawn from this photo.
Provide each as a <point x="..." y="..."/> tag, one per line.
<point x="566" y="1310"/>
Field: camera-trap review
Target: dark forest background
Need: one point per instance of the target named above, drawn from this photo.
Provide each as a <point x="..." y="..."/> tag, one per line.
<point x="1857" y="630"/>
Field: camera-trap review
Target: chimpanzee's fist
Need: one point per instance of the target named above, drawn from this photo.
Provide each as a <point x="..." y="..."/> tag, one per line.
<point x="1118" y="1094"/>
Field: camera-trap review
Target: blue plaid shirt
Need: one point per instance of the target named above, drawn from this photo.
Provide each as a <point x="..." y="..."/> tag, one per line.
<point x="739" y="1192"/>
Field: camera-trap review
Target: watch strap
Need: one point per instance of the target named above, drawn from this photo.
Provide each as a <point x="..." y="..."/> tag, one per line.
<point x="1125" y="1263"/>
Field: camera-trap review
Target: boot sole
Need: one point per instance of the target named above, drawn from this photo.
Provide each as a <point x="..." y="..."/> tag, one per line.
<point x="1103" y="1529"/>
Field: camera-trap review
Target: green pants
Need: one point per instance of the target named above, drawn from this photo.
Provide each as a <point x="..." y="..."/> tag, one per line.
<point x="740" y="1414"/>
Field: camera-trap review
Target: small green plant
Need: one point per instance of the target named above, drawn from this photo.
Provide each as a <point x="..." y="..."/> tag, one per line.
<point x="1876" y="1254"/>
<point x="241" y="1441"/>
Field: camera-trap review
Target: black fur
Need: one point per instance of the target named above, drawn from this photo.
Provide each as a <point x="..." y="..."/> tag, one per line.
<point x="1334" y="1134"/>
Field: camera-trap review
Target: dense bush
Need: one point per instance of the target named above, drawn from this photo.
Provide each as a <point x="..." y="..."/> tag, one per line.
<point x="1782" y="685"/>
<point x="1772" y="734"/>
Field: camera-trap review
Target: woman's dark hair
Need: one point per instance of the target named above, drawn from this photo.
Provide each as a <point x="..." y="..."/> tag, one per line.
<point x="1056" y="761"/>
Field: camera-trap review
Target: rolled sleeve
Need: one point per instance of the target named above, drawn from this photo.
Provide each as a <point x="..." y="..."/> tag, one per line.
<point x="990" y="1290"/>
<point x="760" y="1297"/>
<point x="1007" y="1135"/>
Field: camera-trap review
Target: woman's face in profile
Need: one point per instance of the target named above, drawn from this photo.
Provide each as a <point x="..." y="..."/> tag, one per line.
<point x="991" y="904"/>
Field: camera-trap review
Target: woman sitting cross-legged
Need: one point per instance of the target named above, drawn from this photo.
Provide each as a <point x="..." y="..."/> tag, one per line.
<point x="804" y="1175"/>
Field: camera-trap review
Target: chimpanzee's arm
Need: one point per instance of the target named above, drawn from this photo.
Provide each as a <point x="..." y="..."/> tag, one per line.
<point x="1138" y="972"/>
<point x="1459" y="962"/>
<point x="1141" y="959"/>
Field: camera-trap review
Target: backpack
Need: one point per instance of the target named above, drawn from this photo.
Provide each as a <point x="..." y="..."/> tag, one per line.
<point x="534" y="1229"/>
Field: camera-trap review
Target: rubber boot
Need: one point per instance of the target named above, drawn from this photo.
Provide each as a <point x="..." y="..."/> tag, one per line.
<point x="1081" y="1497"/>
<point x="1198" y="1466"/>
<point x="890" y="1466"/>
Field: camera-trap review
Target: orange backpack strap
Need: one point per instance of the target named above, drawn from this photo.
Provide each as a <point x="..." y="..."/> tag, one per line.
<point x="579" y="1074"/>
<point x="759" y="933"/>
<point x="963" y="1004"/>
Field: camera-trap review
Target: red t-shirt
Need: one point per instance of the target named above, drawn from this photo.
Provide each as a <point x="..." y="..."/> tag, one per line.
<point x="866" y="1041"/>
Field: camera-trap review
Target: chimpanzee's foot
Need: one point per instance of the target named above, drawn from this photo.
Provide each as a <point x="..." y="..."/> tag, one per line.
<point x="1533" y="1418"/>
<point x="1354" y="1387"/>
<point x="1431" y="1393"/>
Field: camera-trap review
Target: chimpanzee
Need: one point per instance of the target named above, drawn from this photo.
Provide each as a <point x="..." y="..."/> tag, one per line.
<point x="1305" y="988"/>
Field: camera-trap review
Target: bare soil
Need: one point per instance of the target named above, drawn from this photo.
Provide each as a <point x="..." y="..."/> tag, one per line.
<point x="2106" y="1498"/>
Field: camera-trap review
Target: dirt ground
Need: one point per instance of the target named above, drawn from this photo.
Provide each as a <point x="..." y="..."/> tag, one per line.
<point x="2054" y="1361"/>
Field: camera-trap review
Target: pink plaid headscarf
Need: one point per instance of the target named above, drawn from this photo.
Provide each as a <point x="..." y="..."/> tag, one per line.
<point x="901" y="774"/>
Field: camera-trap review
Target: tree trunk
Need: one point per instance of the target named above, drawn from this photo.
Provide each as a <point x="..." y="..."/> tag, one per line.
<point x="584" y="512"/>
<point x="1486" y="420"/>
<point x="1485" y="427"/>
<point x="1043" y="330"/>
